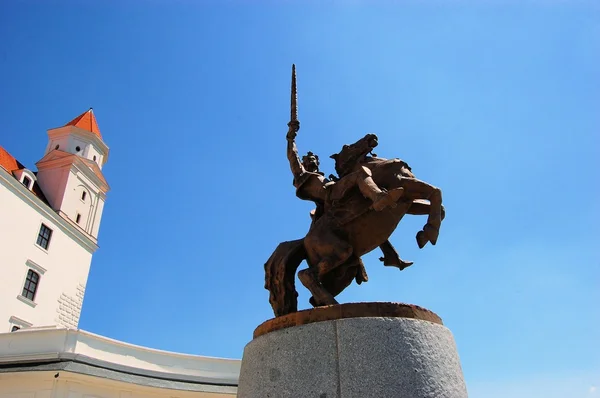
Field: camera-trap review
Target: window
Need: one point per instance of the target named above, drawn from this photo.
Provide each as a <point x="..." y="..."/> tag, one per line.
<point x="78" y="148"/>
<point x="94" y="158"/>
<point x="78" y="218"/>
<point x="26" y="182"/>
<point x="18" y="323"/>
<point x="83" y="195"/>
<point x="57" y="146"/>
<point x="31" y="284"/>
<point x="43" y="239"/>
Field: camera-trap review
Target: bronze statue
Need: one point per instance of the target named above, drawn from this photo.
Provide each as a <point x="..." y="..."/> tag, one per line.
<point x="355" y="212"/>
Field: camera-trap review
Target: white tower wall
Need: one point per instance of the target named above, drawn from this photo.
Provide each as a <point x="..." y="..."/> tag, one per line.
<point x="62" y="268"/>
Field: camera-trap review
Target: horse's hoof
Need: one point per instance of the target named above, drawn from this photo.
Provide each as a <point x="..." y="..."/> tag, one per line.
<point x="422" y="239"/>
<point x="398" y="263"/>
<point x="432" y="233"/>
<point x="315" y="304"/>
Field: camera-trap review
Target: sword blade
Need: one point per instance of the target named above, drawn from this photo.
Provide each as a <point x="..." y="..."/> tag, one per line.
<point x="294" y="97"/>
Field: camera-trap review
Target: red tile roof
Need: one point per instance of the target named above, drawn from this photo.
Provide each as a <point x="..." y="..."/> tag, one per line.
<point x="86" y="121"/>
<point x="9" y="162"/>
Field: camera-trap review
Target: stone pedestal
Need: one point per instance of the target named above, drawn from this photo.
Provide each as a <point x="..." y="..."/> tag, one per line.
<point x="358" y="350"/>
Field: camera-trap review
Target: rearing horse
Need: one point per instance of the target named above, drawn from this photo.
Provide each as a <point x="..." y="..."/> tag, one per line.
<point x="390" y="174"/>
<point x="348" y="229"/>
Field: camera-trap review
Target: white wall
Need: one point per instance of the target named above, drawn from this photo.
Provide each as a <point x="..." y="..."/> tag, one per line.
<point x="27" y="385"/>
<point x="97" y="216"/>
<point x="62" y="141"/>
<point x="73" y="385"/>
<point x="53" y="182"/>
<point x="66" y="262"/>
<point x="90" y="209"/>
<point x="90" y="151"/>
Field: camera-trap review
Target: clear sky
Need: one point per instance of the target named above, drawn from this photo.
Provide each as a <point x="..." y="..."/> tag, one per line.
<point x="495" y="102"/>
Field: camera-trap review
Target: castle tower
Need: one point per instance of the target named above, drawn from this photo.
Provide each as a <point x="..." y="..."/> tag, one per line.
<point x="49" y="226"/>
<point x="70" y="173"/>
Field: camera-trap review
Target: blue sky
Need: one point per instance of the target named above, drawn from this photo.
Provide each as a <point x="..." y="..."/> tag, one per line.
<point x="496" y="103"/>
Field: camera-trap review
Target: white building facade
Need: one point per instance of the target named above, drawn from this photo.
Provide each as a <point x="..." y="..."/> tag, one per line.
<point x="49" y="225"/>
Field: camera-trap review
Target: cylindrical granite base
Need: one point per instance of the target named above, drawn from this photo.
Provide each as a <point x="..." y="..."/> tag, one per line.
<point x="359" y="350"/>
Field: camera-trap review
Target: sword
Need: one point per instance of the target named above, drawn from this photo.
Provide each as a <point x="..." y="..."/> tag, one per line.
<point x="294" y="102"/>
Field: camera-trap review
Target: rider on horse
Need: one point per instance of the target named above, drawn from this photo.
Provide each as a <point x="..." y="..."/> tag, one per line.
<point x="312" y="185"/>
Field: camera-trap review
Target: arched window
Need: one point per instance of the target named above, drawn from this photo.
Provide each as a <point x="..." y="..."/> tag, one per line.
<point x="26" y="182"/>
<point x="31" y="285"/>
<point x="26" y="177"/>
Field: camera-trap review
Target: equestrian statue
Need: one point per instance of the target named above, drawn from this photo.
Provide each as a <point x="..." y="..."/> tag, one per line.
<point x="355" y="213"/>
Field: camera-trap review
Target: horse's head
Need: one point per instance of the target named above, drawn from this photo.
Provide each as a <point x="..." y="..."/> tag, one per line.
<point x="351" y="154"/>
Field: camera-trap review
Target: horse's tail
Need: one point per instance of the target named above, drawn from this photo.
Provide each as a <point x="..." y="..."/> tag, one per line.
<point x="280" y="276"/>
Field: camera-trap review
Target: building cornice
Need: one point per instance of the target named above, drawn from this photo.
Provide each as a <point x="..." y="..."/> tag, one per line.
<point x="65" y="159"/>
<point x="14" y="186"/>
<point x="53" y="344"/>
<point x="91" y="175"/>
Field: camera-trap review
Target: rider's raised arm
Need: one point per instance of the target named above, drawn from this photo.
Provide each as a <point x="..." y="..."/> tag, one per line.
<point x="292" y="153"/>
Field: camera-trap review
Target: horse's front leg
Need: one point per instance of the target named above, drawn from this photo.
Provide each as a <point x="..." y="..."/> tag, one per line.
<point x="417" y="189"/>
<point x="420" y="208"/>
